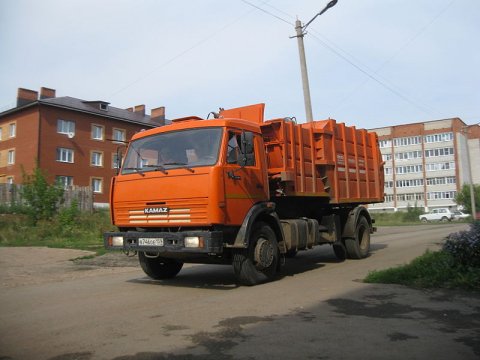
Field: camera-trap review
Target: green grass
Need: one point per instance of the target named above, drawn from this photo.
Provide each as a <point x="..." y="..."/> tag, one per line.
<point x="401" y="218"/>
<point x="85" y="232"/>
<point x="431" y="270"/>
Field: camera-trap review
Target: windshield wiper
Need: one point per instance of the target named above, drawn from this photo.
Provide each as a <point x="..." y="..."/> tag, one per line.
<point x="157" y="167"/>
<point x="183" y="165"/>
<point x="136" y="169"/>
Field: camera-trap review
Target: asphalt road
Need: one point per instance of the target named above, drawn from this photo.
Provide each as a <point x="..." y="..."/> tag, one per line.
<point x="317" y="309"/>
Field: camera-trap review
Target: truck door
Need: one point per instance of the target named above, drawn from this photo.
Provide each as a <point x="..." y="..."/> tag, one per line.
<point x="245" y="181"/>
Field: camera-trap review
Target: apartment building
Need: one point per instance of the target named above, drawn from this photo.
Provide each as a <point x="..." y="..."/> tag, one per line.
<point x="77" y="142"/>
<point x="427" y="163"/>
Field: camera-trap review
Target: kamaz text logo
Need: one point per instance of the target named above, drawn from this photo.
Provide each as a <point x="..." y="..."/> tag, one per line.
<point x="155" y="210"/>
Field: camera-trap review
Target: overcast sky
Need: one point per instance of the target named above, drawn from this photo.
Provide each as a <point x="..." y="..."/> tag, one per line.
<point x="371" y="63"/>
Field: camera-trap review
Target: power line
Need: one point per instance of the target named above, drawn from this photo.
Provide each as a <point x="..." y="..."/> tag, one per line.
<point x="424" y="108"/>
<point x="396" y="53"/>
<point x="386" y="86"/>
<point x="267" y="12"/>
<point x="179" y="55"/>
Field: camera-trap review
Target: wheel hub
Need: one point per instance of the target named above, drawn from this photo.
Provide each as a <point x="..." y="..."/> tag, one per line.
<point x="264" y="254"/>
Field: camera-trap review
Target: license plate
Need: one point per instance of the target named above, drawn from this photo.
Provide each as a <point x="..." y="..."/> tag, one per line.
<point x="150" y="241"/>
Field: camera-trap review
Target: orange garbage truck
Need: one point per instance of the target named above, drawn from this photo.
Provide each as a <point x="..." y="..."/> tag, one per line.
<point x="239" y="190"/>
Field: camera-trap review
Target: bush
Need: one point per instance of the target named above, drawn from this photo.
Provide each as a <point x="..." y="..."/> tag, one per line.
<point x="41" y="198"/>
<point x="412" y="214"/>
<point x="464" y="246"/>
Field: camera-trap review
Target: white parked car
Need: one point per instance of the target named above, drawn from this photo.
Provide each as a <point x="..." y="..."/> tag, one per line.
<point x="458" y="215"/>
<point x="440" y="214"/>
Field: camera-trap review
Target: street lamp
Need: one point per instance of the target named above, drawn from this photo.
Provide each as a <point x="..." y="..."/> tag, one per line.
<point x="300" y="30"/>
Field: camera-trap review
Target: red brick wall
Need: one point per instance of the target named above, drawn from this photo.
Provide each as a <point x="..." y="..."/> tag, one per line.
<point x="82" y="144"/>
<point x="25" y="143"/>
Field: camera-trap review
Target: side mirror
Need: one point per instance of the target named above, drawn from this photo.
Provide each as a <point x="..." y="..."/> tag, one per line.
<point x="118" y="161"/>
<point x="246" y="147"/>
<point x="247" y="142"/>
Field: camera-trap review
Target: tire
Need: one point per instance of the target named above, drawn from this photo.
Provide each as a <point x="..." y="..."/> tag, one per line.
<point x="258" y="263"/>
<point x="159" y="268"/>
<point x="445" y="219"/>
<point x="340" y="251"/>
<point x="359" y="247"/>
<point x="291" y="253"/>
<point x="423" y="219"/>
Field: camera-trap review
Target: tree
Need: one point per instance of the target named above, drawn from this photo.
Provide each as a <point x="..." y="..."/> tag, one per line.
<point x="463" y="198"/>
<point x="41" y="198"/>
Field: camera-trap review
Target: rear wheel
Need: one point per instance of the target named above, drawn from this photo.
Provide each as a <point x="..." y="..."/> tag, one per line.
<point x="258" y="263"/>
<point x="424" y="219"/>
<point x="444" y="219"/>
<point x="359" y="246"/>
<point x="159" y="268"/>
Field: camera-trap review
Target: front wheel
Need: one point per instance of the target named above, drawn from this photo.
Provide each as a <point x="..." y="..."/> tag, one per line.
<point x="340" y="251"/>
<point x="359" y="246"/>
<point x="159" y="268"/>
<point x="258" y="263"/>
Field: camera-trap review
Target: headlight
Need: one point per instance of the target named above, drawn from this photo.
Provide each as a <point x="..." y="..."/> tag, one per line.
<point x="193" y="241"/>
<point x="116" y="241"/>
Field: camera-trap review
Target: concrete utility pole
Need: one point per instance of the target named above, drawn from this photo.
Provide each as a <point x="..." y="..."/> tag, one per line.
<point x="300" y="30"/>
<point x="303" y="68"/>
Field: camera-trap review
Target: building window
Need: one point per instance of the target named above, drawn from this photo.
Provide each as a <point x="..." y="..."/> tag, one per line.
<point x="408" y="169"/>
<point x="10" y="180"/>
<point x="119" y="135"/>
<point x="387" y="171"/>
<point x="442" y="180"/>
<point x="409" y="183"/>
<point x="406" y="197"/>
<point x="97" y="132"/>
<point x="440" y="166"/>
<point x="96" y="158"/>
<point x="97" y="185"/>
<point x="388" y="184"/>
<point x="407" y="141"/>
<point x="66" y="127"/>
<point x="64" y="181"/>
<point x="386" y="157"/>
<point x="12" y="130"/>
<point x="11" y="157"/>
<point x="439" y="152"/>
<point x="65" y="155"/>
<point x="385" y="143"/>
<point x="439" y="137"/>
<point x="441" y="195"/>
<point x="388" y="198"/>
<point x="408" y="155"/>
<point x="419" y="196"/>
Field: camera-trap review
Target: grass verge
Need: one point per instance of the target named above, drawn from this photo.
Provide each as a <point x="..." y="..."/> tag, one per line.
<point x="85" y="232"/>
<point x="457" y="265"/>
<point x="432" y="270"/>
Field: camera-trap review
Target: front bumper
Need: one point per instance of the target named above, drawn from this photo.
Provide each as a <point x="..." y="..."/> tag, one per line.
<point x="210" y="242"/>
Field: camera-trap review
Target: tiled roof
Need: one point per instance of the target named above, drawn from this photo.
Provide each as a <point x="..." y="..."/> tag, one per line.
<point x="94" y="107"/>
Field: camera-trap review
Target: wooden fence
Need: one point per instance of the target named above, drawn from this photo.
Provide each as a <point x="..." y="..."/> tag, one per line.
<point x="11" y="194"/>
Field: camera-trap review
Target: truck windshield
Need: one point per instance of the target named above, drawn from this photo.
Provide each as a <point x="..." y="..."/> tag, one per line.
<point x="180" y="149"/>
